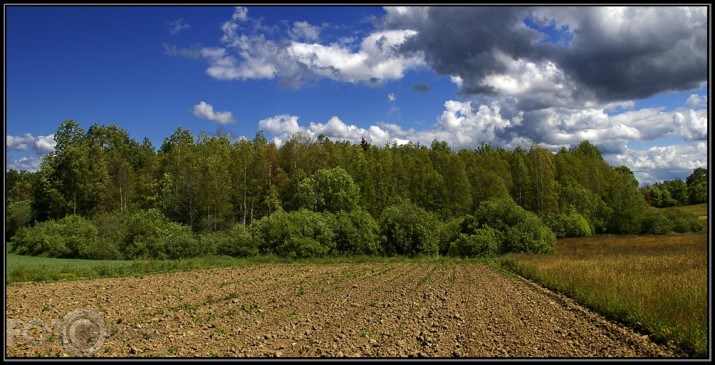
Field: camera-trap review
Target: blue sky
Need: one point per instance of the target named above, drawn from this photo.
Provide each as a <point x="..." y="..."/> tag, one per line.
<point x="633" y="80"/>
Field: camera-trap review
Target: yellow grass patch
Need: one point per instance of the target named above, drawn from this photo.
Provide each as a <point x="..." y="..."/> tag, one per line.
<point x="657" y="284"/>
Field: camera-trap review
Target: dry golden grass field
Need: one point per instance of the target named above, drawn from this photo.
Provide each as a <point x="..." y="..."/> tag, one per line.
<point x="657" y="284"/>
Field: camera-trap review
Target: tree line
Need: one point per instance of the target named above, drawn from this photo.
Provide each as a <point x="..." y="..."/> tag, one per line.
<point x="675" y="192"/>
<point x="210" y="195"/>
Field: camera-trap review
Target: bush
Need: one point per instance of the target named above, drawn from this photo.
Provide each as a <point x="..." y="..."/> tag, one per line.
<point x="70" y="237"/>
<point x="529" y="236"/>
<point x="655" y="222"/>
<point x="148" y="234"/>
<point x="666" y="221"/>
<point x="409" y="230"/>
<point x="138" y="227"/>
<point x="356" y="233"/>
<point x="285" y="234"/>
<point x="80" y="237"/>
<point x="571" y="224"/>
<point x="448" y="233"/>
<point x="555" y="222"/>
<point x="173" y="241"/>
<point x="43" y="238"/>
<point x="302" y="247"/>
<point x="18" y="214"/>
<point x="236" y="242"/>
<point x="483" y="242"/>
<point x="683" y="221"/>
<point x="109" y="235"/>
<point x="577" y="225"/>
<point x="518" y="229"/>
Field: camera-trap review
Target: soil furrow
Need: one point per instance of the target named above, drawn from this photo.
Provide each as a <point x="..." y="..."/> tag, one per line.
<point x="309" y="310"/>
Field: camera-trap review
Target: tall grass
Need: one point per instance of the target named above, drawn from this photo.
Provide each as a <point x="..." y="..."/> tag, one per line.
<point x="656" y="284"/>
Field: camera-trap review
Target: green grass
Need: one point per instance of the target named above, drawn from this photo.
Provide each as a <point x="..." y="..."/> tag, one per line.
<point x="21" y="268"/>
<point x="32" y="268"/>
<point x="655" y="284"/>
<point x="701" y="210"/>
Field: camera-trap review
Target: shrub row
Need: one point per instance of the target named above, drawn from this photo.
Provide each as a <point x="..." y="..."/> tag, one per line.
<point x="495" y="227"/>
<point x="131" y="235"/>
<point x="667" y="221"/>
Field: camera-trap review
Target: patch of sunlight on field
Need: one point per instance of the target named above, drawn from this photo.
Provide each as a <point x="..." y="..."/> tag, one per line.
<point x="653" y="283"/>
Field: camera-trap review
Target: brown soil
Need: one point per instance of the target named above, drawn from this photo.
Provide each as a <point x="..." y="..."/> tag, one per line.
<point x="338" y="310"/>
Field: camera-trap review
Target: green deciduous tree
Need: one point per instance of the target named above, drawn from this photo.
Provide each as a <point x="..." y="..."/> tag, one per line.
<point x="543" y="188"/>
<point x="697" y="184"/>
<point x="180" y="184"/>
<point x="626" y="201"/>
<point x="330" y="190"/>
<point x="519" y="176"/>
<point x="213" y="201"/>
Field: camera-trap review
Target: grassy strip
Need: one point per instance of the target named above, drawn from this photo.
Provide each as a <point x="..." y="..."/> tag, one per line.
<point x="42" y="269"/>
<point x="654" y="284"/>
<point x="701" y="210"/>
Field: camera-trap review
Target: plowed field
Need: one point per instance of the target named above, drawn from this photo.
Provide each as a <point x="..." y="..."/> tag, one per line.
<point x="308" y="310"/>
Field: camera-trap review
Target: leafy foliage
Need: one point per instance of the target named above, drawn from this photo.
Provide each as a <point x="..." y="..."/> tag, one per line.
<point x="483" y="242"/>
<point x="18" y="214"/>
<point x="655" y="222"/>
<point x="626" y="201"/>
<point x="356" y="233"/>
<point x="671" y="220"/>
<point x="294" y="234"/>
<point x="571" y="224"/>
<point x="69" y="237"/>
<point x="697" y="183"/>
<point x="447" y="233"/>
<point x="173" y="241"/>
<point x="237" y="242"/>
<point x="330" y="190"/>
<point x="520" y="230"/>
<point x="676" y="192"/>
<point x="409" y="230"/>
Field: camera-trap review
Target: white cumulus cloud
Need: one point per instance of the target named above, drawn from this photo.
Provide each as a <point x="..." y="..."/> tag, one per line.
<point x="283" y="125"/>
<point x="19" y="143"/>
<point x="662" y="162"/>
<point x="206" y="111"/>
<point x="691" y="124"/>
<point x="27" y="163"/>
<point x="31" y="148"/>
<point x="45" y="144"/>
<point x="28" y="142"/>
<point x="251" y="54"/>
